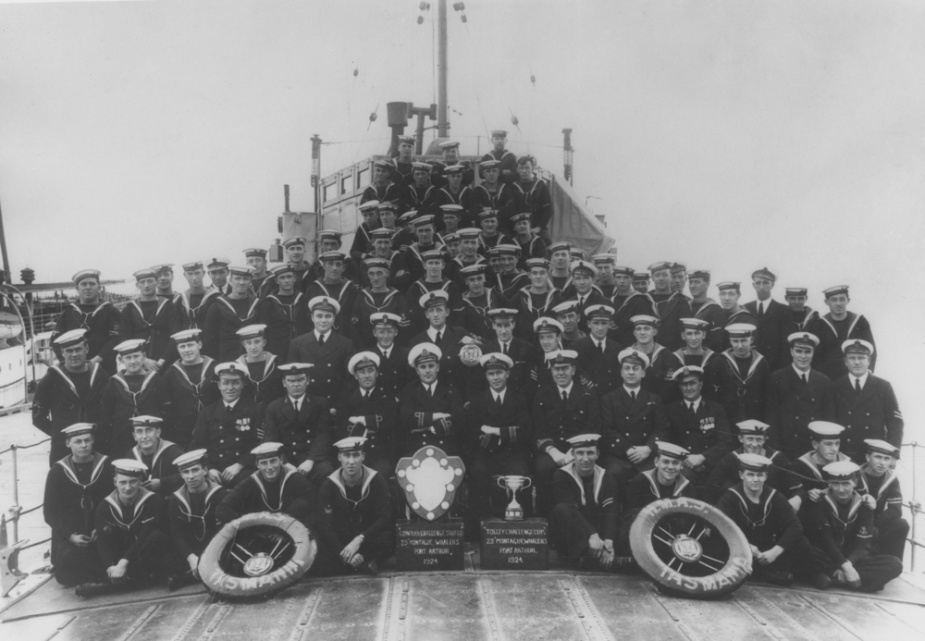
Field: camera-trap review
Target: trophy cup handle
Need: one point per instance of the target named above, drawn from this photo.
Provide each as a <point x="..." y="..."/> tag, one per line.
<point x="501" y="483"/>
<point x="527" y="483"/>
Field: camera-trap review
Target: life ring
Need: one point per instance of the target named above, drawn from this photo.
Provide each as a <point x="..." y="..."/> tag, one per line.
<point x="257" y="554"/>
<point x="689" y="547"/>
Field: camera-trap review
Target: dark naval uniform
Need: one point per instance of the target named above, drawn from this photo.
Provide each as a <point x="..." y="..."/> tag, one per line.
<point x="136" y="533"/>
<point x="641" y="490"/>
<point x="705" y="431"/>
<point x="662" y="364"/>
<point x="521" y="352"/>
<point x="72" y="493"/>
<point x="290" y="494"/>
<point x="714" y="314"/>
<point x="892" y="528"/>
<point x="492" y="455"/>
<point x="330" y="359"/>
<point x="740" y="391"/>
<point x="583" y="506"/>
<point x="871" y="413"/>
<point x="774" y="326"/>
<point x="670" y="312"/>
<point x="347" y="512"/>
<point x="102" y="324"/>
<point x="791" y="404"/>
<point x="601" y="368"/>
<point x="726" y="475"/>
<point x="224" y="318"/>
<point x="810" y="472"/>
<point x="192" y="308"/>
<point x="264" y="381"/>
<point x="192" y="520"/>
<point x="344" y="293"/>
<point x="828" y="357"/>
<point x="417" y="425"/>
<point x="534" y="197"/>
<point x="633" y="304"/>
<point x="286" y="316"/>
<point x="306" y="436"/>
<point x="62" y="399"/>
<point x="632" y="423"/>
<point x="369" y="303"/>
<point x="451" y="370"/>
<point x="394" y="371"/>
<point x="190" y="388"/>
<point x="531" y="307"/>
<point x="380" y="409"/>
<point x="229" y="434"/>
<point x="154" y="321"/>
<point x="475" y="312"/>
<point x="124" y="398"/>
<point x="846" y="533"/>
<point x="160" y="465"/>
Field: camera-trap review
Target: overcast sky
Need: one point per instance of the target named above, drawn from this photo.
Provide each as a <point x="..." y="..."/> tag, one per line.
<point x="724" y="134"/>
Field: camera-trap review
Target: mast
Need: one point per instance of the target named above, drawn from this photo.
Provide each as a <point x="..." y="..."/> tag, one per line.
<point x="443" y="127"/>
<point x="6" y="258"/>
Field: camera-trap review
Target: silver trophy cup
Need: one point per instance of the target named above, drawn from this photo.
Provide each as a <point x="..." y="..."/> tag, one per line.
<point x="513" y="484"/>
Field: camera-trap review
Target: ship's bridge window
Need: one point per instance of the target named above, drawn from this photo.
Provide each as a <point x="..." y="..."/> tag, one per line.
<point x="327" y="191"/>
<point x="345" y="184"/>
<point x="362" y="177"/>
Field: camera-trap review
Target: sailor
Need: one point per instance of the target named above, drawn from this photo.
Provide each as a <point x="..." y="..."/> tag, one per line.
<point x="478" y="300"/>
<point x="135" y="391"/>
<point x="662" y="362"/>
<point x="193" y="303"/>
<point x="504" y="341"/>
<point x="865" y="404"/>
<point x="797" y="395"/>
<point x="303" y="423"/>
<point x="99" y="318"/>
<point x="536" y="299"/>
<point x="582" y="289"/>
<point x="532" y="194"/>
<point x="729" y="295"/>
<point x="456" y="191"/>
<point x="393" y="372"/>
<point x="468" y="255"/>
<point x="825" y="439"/>
<point x="801" y="315"/>
<point x="273" y="487"/>
<point x="378" y="297"/>
<point x="506" y="160"/>
<point x="878" y="479"/>
<point x="450" y="151"/>
<point x="355" y="523"/>
<point x="152" y="319"/>
<point x="402" y="168"/>
<point x="218" y="274"/>
<point x="68" y="394"/>
<point x="674" y="308"/>
<point x="583" y="523"/>
<point x="568" y="315"/>
<point x="635" y="419"/>
<point x="560" y="411"/>
<point x="362" y="241"/>
<point x="190" y="383"/>
<point x="699" y="425"/>
<point x="641" y="282"/>
<point x="598" y="356"/>
<point x="264" y="379"/>
<point x="707" y="309"/>
<point x="382" y="189"/>
<point x="405" y="236"/>
<point x="449" y="218"/>
<point x="227" y="314"/>
<point x="500" y="436"/>
<point x="331" y="243"/>
<point x="661" y="279"/>
<point x="432" y="280"/>
<point x="775" y="322"/>
<point x="256" y="259"/>
<point x="413" y="255"/>
<point x="834" y="328"/>
<point x="75" y="485"/>
<point x="775" y="534"/>
<point x="164" y="275"/>
<point x="605" y="281"/>
<point x="490" y="236"/>
<point x="191" y="516"/>
<point x="326" y="349"/>
<point x="421" y="194"/>
<point x="156" y="453"/>
<point x="335" y="286"/>
<point x="560" y="273"/>
<point x="548" y="332"/>
<point x="398" y="276"/>
<point x="295" y="256"/>
<point x="449" y="338"/>
<point x="370" y="412"/>
<point x="131" y="534"/>
<point x="510" y="279"/>
<point x="451" y="242"/>
<point x="283" y="312"/>
<point x="841" y="525"/>
<point x="693" y="333"/>
<point x="753" y="439"/>
<point x="663" y="481"/>
<point x="737" y="378"/>
<point x="430" y="412"/>
<point x="627" y="303"/>
<point x="388" y="213"/>
<point x="229" y="428"/>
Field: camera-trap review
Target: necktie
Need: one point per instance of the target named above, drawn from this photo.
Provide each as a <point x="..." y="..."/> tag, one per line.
<point x="439" y="337"/>
<point x="632" y="396"/>
<point x="803" y="378"/>
<point x="581" y="301"/>
<point x="690" y="407"/>
<point x="761" y="309"/>
<point x="504" y="348"/>
<point x="564" y="395"/>
<point x="857" y="385"/>
<point x="430" y="390"/>
<point x="498" y="400"/>
<point x="229" y="408"/>
<point x="601" y="345"/>
<point x="295" y="405"/>
<point x="321" y="339"/>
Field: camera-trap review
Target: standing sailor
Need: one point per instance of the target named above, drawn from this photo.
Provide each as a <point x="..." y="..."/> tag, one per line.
<point x="190" y="384"/>
<point x="836" y="327"/>
<point x="283" y="312"/>
<point x="193" y="303"/>
<point x="229" y="313"/>
<point x="90" y="312"/>
<point x="506" y="160"/>
<point x="256" y="259"/>
<point x="152" y="319"/>
<point x="774" y="320"/>
<point x="327" y="350"/>
<point x="707" y="309"/>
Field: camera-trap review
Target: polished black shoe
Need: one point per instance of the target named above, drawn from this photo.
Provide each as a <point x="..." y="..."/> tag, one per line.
<point x="822" y="581"/>
<point x="88" y="590"/>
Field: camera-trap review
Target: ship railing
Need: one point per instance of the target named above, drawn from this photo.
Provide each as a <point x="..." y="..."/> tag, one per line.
<point x="915" y="508"/>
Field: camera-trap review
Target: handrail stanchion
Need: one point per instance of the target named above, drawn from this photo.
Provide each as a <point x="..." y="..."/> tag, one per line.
<point x="15" y="517"/>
